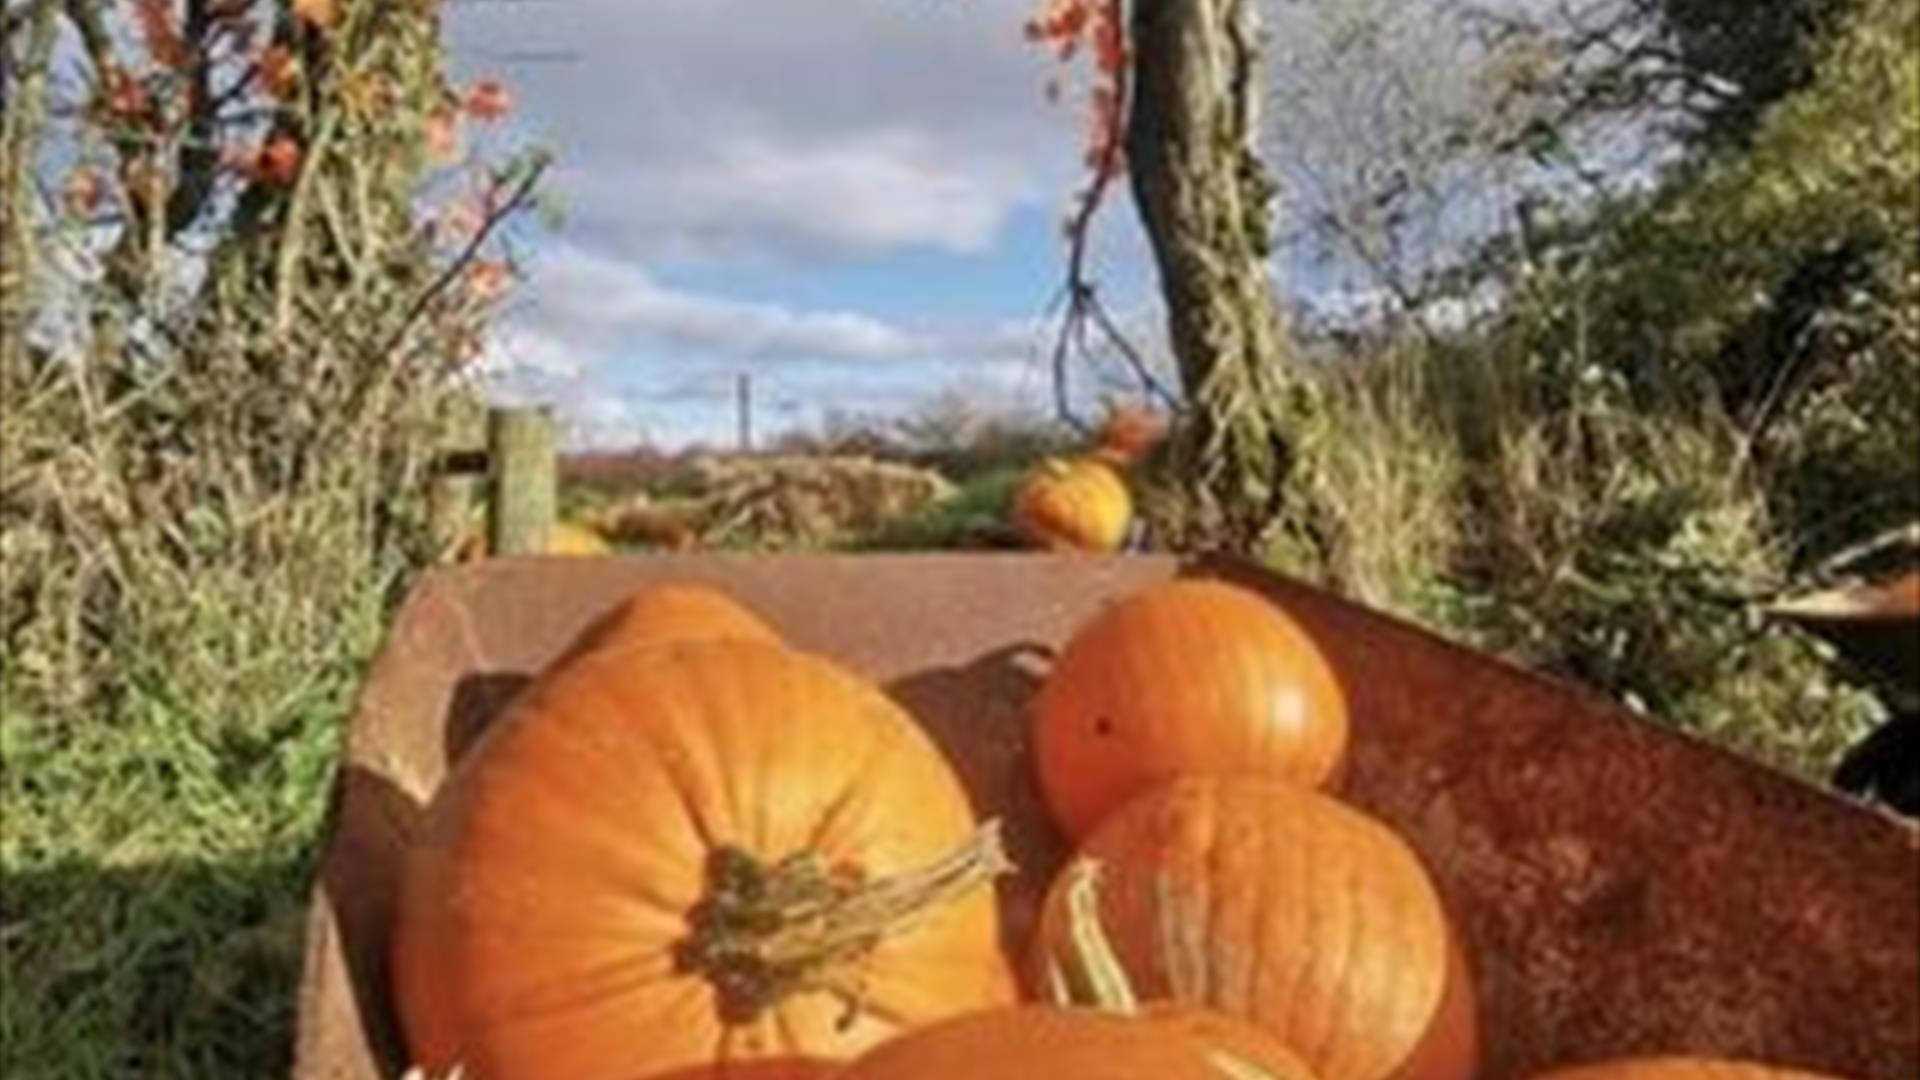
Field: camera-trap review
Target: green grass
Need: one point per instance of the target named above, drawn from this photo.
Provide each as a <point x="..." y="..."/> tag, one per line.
<point x="979" y="502"/>
<point x="156" y="880"/>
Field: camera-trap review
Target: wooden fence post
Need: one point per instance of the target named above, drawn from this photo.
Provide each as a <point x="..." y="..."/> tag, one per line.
<point x="524" y="469"/>
<point x="449" y="510"/>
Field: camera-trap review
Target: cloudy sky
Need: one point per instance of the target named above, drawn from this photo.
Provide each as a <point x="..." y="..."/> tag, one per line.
<point x="855" y="201"/>
<point x="858" y="202"/>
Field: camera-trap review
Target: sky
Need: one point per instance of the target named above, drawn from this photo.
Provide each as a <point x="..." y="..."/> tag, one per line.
<point x="858" y="203"/>
<point x="855" y="202"/>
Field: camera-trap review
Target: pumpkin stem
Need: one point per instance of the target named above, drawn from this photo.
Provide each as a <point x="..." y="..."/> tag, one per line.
<point x="763" y="932"/>
<point x="1089" y="973"/>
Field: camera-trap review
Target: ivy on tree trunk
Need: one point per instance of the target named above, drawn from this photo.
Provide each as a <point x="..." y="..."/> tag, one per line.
<point x="1203" y="196"/>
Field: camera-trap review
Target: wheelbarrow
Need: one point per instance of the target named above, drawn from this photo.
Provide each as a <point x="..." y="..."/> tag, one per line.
<point x="1621" y="888"/>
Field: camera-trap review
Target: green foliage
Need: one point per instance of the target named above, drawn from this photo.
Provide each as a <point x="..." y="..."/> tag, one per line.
<point x="1374" y="505"/>
<point x="977" y="507"/>
<point x="1710" y="69"/>
<point x="1619" y="548"/>
<point x="1754" y="54"/>
<point x="217" y="418"/>
<point x="222" y="376"/>
<point x="1682" y="400"/>
<point x="156" y="874"/>
<point x="1781" y="285"/>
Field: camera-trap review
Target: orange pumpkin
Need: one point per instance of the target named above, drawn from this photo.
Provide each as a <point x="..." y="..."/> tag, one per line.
<point x="693" y="860"/>
<point x="566" y="538"/>
<point x="1073" y="504"/>
<point x="1677" y="1067"/>
<point x="1183" y="677"/>
<point x="1117" y="1039"/>
<point x="1282" y="907"/>
<point x="1127" y="434"/>
<point x="676" y="611"/>
<point x="1163" y="1043"/>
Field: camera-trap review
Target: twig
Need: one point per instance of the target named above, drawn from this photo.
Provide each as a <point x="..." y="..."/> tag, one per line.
<point x="294" y="236"/>
<point x="1082" y="306"/>
<point x="1134" y="360"/>
<point x="498" y="211"/>
<point x="522" y="192"/>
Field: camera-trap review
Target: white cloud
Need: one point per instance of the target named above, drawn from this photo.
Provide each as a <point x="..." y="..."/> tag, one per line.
<point x="698" y="137"/>
<point x="519" y="349"/>
<point x="601" y="420"/>
<point x="750" y="194"/>
<point x="784" y="131"/>
<point x="587" y="414"/>
<point x="586" y="307"/>
<point x="619" y="354"/>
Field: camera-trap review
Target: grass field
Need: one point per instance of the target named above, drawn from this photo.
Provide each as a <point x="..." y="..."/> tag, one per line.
<point x="155" y="884"/>
<point x="157" y="862"/>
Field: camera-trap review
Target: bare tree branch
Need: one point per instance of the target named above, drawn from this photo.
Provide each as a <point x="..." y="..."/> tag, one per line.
<point x="1078" y="299"/>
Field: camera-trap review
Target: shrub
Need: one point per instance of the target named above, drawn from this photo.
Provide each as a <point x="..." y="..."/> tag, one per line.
<point x="232" y="348"/>
<point x="1682" y="400"/>
<point x="228" y="349"/>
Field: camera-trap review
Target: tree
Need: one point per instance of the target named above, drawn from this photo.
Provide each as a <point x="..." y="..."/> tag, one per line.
<point x="1712" y="67"/>
<point x="1175" y="105"/>
<point x="246" y="270"/>
<point x="1383" y="129"/>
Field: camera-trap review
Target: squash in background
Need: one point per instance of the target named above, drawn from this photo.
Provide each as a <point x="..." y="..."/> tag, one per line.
<point x="1127" y="434"/>
<point x="1081" y="503"/>
<point x="566" y="538"/>
<point x="1073" y="504"/>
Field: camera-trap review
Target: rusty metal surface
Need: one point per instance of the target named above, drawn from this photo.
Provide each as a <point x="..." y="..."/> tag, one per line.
<point x="1622" y="889"/>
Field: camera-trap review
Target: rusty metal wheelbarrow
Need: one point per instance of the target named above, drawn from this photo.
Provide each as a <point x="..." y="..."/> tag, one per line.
<point x="1621" y="888"/>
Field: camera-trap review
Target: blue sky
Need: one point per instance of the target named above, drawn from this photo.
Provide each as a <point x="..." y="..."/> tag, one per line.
<point x="858" y="201"/>
<point x="855" y="201"/>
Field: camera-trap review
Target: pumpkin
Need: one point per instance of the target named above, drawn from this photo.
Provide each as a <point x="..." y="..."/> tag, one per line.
<point x="1282" y="907"/>
<point x="1127" y="434"/>
<point x="1073" y="504"/>
<point x="676" y="611"/>
<point x="680" y="859"/>
<point x="1184" y="677"/>
<point x="1162" y="1043"/>
<point x="566" y="538"/>
<point x="1115" y="1039"/>
<point x="1677" y="1067"/>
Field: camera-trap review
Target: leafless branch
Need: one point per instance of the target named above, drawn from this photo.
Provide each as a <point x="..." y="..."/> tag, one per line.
<point x="1077" y="299"/>
<point x="499" y="211"/>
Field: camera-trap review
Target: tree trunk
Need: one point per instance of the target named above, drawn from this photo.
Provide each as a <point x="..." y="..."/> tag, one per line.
<point x="1203" y="197"/>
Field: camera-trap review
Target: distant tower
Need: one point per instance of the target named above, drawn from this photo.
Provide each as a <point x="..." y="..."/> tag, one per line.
<point x="743" y="400"/>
